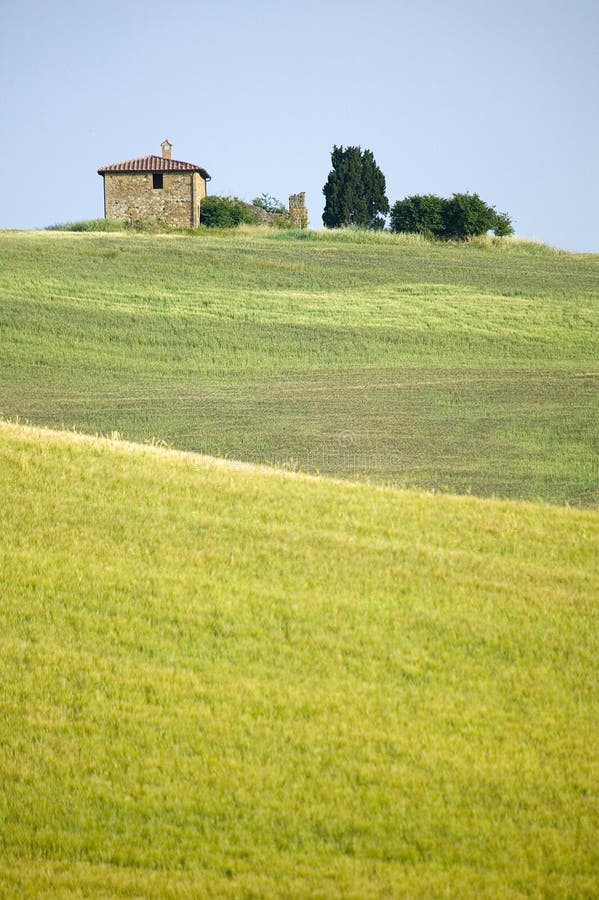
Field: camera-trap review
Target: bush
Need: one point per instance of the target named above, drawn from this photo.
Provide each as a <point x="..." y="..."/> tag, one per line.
<point x="419" y="215"/>
<point x="503" y="225"/>
<point x="226" y="212"/>
<point x="462" y="217"/>
<point x="466" y="215"/>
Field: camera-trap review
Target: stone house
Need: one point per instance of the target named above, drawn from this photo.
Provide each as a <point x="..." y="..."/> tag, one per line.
<point x="155" y="189"/>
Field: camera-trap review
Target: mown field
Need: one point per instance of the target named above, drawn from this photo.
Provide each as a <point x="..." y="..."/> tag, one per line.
<point x="221" y="682"/>
<point x="468" y="369"/>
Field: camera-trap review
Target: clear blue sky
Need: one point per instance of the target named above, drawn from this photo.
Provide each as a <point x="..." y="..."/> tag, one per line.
<point x="498" y="98"/>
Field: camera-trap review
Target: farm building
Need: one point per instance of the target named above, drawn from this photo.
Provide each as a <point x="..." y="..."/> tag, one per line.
<point x="155" y="189"/>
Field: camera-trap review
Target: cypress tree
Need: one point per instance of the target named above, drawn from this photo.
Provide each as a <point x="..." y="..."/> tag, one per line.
<point x="355" y="190"/>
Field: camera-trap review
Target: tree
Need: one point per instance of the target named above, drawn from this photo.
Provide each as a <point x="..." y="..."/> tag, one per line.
<point x="458" y="219"/>
<point x="355" y="190"/>
<point x="419" y="214"/>
<point x="269" y="203"/>
<point x="466" y="215"/>
<point x="503" y="225"/>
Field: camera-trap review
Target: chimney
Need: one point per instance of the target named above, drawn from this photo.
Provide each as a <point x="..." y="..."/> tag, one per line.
<point x="167" y="148"/>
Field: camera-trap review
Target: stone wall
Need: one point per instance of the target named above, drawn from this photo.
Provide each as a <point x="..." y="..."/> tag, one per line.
<point x="198" y="186"/>
<point x="131" y="197"/>
<point x="297" y="210"/>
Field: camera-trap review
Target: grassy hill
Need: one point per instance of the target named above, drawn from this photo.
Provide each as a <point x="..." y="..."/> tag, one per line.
<point x="226" y="682"/>
<point x="455" y="368"/>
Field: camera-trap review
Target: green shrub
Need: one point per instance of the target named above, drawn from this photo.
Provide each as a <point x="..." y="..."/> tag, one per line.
<point x="466" y="215"/>
<point x="503" y="225"/>
<point x="462" y="217"/>
<point x="226" y="212"/>
<point x="419" y="215"/>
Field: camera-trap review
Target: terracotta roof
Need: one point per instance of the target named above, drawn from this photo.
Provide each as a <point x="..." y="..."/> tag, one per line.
<point x="153" y="164"/>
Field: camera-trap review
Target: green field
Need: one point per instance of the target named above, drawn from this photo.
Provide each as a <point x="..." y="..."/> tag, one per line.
<point x="468" y="369"/>
<point x="225" y="680"/>
<point x="221" y="682"/>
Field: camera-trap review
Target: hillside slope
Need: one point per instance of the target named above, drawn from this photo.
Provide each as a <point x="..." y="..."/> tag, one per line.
<point x="470" y="369"/>
<point x="227" y="682"/>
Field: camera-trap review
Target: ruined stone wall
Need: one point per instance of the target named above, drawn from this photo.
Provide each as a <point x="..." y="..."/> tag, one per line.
<point x="297" y="210"/>
<point x="131" y="197"/>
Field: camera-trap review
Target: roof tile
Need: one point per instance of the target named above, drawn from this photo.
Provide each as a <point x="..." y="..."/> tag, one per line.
<point x="153" y="164"/>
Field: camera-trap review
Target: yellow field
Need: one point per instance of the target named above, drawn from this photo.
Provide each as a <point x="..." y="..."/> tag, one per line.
<point x="228" y="681"/>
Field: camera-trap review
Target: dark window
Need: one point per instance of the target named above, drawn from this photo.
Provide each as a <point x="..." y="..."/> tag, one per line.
<point x="157" y="181"/>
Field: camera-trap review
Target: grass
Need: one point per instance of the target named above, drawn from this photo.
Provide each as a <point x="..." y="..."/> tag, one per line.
<point x="104" y="225"/>
<point x="228" y="682"/>
<point x="469" y="369"/>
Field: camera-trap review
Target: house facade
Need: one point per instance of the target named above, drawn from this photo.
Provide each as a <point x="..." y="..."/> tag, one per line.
<point x="155" y="189"/>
